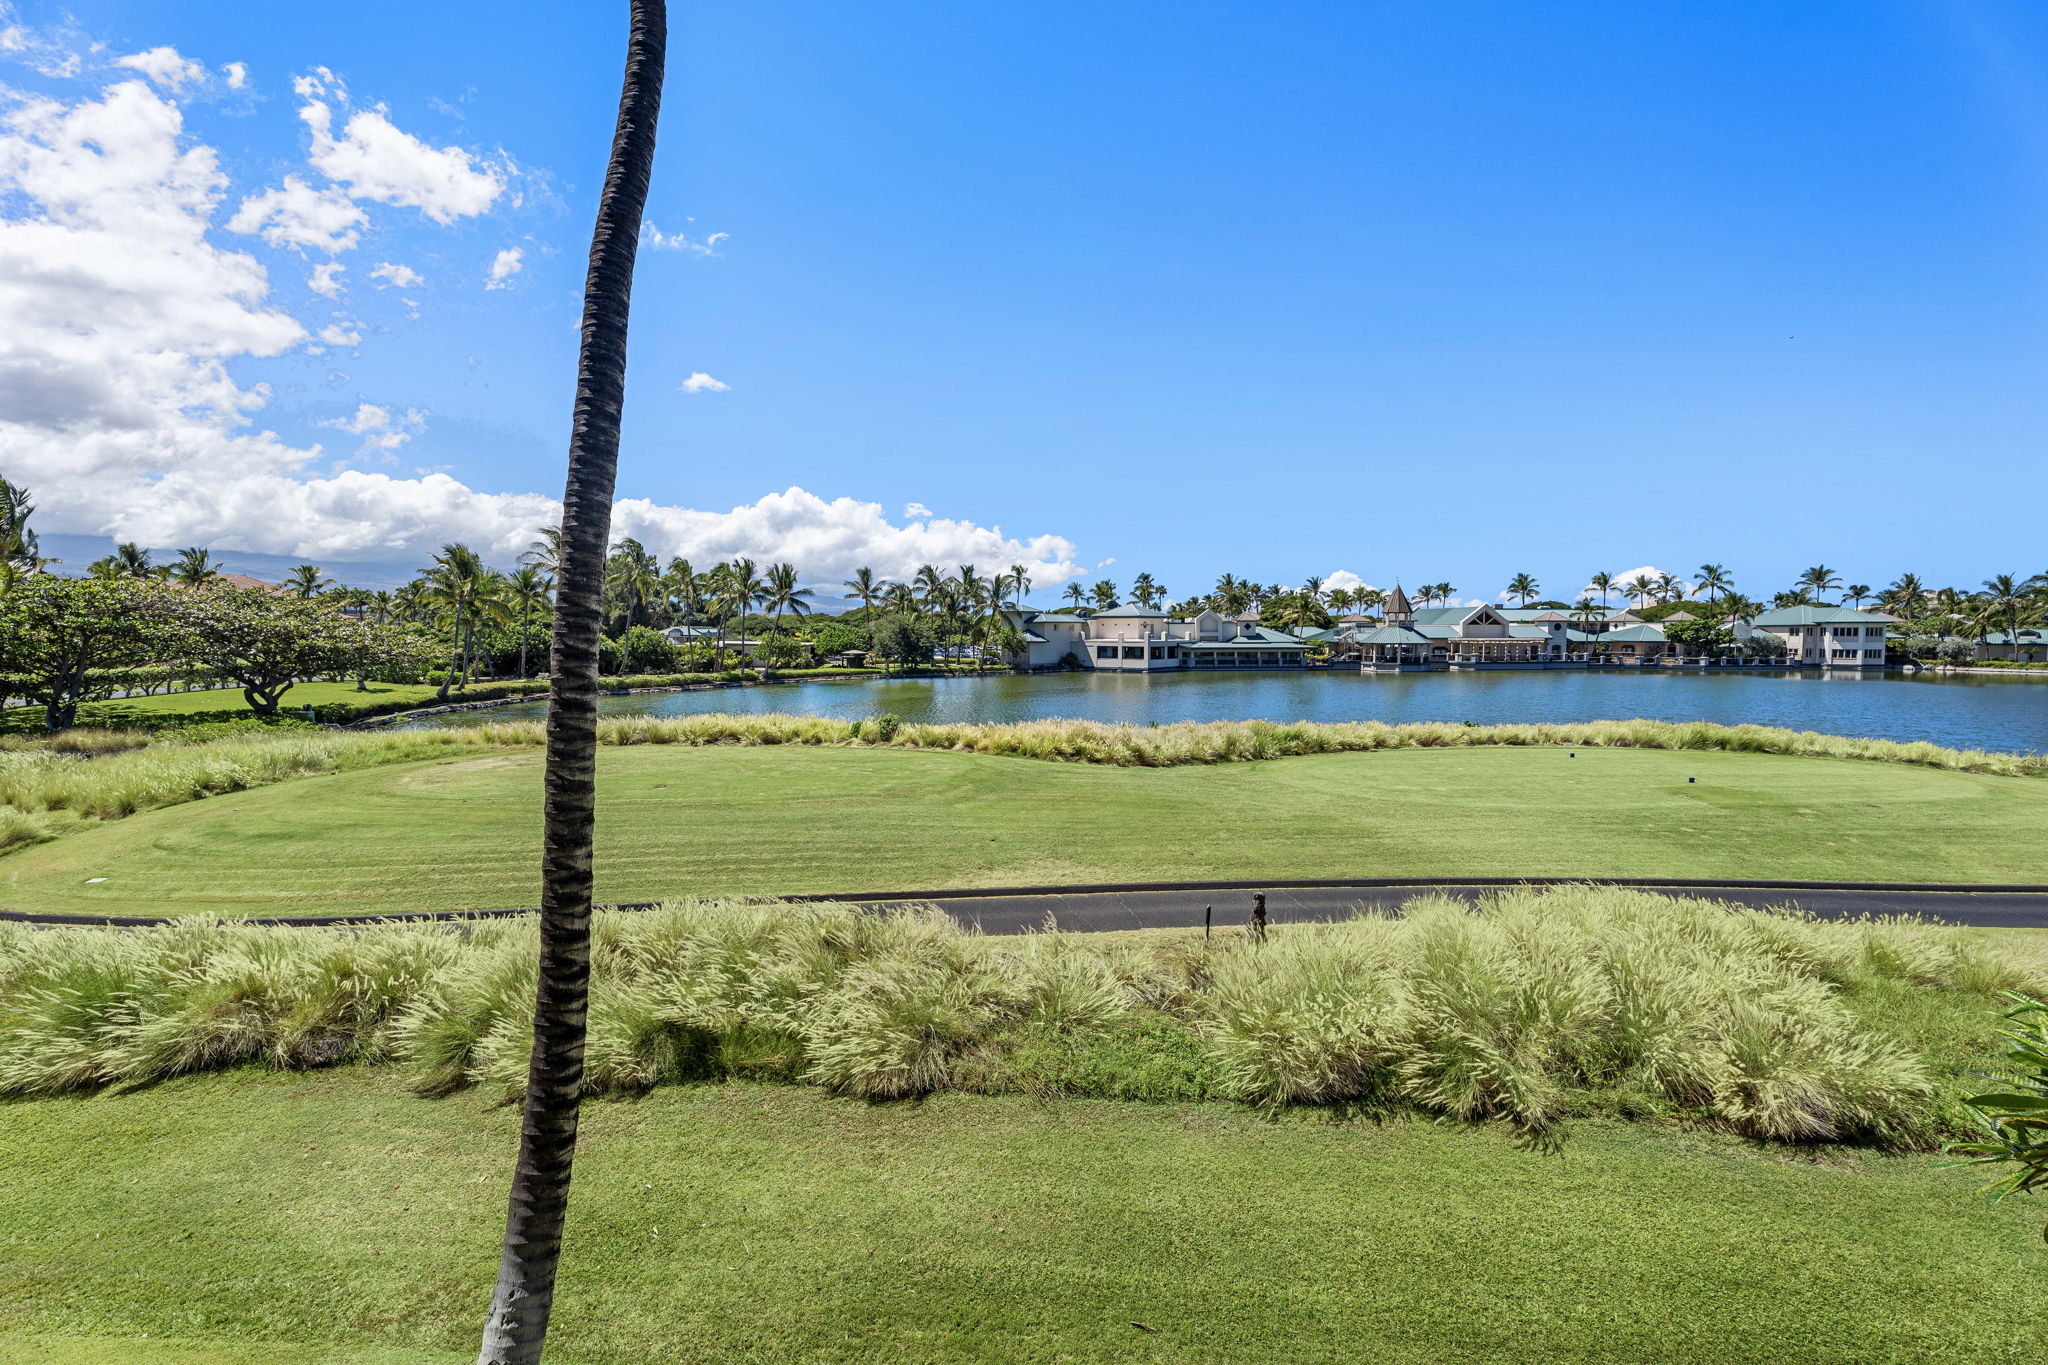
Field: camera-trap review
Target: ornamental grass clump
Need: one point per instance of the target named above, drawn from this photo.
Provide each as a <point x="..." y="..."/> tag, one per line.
<point x="1529" y="1007"/>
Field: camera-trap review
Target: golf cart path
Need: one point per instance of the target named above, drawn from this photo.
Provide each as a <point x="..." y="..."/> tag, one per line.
<point x="1096" y="908"/>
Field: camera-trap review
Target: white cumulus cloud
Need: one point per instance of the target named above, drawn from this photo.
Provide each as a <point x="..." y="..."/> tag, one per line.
<point x="1345" y="579"/>
<point x="700" y="382"/>
<point x="165" y="66"/>
<point x="381" y="429"/>
<point x="390" y="273"/>
<point x="504" y="266"/>
<point x="377" y="160"/>
<point x="236" y="74"/>
<point x="298" y="215"/>
<point x="326" y="279"/>
<point x="913" y="511"/>
<point x="120" y="316"/>
<point x="653" y="237"/>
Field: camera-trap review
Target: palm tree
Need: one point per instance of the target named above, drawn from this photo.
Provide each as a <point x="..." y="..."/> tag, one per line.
<point x="1905" y="596"/>
<point x="517" y="1325"/>
<point x="454" y="582"/>
<point x="307" y="581"/>
<point x="1856" y="592"/>
<point x="131" y="560"/>
<point x="19" y="552"/>
<point x="1669" y="588"/>
<point x="1602" y="583"/>
<point x="2005" y="598"/>
<point x="1714" y="580"/>
<point x="1075" y="593"/>
<point x="545" y="553"/>
<point x="526" y="592"/>
<point x="742" y="590"/>
<point x="193" y="566"/>
<point x="1146" y="592"/>
<point x="780" y="593"/>
<point x="1020" y="581"/>
<point x="869" y="590"/>
<point x="632" y="579"/>
<point x="1820" y="580"/>
<point x="1524" y="587"/>
<point x="1586" y="613"/>
<point x="1103" y="595"/>
<point x="682" y="592"/>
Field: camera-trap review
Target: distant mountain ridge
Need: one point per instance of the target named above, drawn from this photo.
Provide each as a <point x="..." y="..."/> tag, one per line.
<point x="74" y="552"/>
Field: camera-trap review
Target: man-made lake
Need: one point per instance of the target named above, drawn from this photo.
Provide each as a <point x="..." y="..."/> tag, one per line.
<point x="1969" y="712"/>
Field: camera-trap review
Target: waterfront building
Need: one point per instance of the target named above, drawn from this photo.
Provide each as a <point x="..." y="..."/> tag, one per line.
<point x="1132" y="639"/>
<point x="1827" y="636"/>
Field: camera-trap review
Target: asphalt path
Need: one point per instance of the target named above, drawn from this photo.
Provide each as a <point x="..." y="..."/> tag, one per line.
<point x="1094" y="912"/>
<point x="1094" y="909"/>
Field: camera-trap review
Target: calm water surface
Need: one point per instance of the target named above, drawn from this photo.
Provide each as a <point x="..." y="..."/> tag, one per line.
<point x="1972" y="712"/>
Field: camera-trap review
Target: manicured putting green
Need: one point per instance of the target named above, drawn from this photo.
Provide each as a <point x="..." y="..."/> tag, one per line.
<point x="675" y="821"/>
<point x="280" y="1219"/>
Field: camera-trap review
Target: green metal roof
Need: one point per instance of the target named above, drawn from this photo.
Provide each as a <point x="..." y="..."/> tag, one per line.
<point x="1634" y="635"/>
<point x="1821" y="616"/>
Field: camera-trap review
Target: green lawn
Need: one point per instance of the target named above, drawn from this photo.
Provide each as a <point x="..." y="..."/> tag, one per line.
<point x="676" y="821"/>
<point x="219" y="704"/>
<point x="269" y="1218"/>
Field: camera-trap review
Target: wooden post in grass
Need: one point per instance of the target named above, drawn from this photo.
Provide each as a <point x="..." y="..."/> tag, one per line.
<point x="1258" y="925"/>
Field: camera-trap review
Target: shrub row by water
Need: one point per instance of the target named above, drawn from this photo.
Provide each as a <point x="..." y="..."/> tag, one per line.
<point x="46" y="788"/>
<point x="1532" y="1007"/>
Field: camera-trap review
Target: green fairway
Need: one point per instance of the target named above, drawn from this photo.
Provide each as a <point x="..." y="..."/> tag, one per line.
<point x="682" y="821"/>
<point x="273" y="1218"/>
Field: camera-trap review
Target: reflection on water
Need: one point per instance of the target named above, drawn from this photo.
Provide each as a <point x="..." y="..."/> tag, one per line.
<point x="1970" y="711"/>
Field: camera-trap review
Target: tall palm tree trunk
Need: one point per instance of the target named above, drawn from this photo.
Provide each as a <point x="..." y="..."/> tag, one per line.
<point x="518" y="1321"/>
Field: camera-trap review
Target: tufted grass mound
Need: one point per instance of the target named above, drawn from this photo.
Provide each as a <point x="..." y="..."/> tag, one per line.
<point x="1534" y="1007"/>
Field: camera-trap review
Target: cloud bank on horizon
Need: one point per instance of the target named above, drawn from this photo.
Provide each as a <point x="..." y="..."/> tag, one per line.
<point x="129" y="293"/>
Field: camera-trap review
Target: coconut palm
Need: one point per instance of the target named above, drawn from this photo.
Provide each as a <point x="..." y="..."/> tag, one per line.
<point x="742" y="590"/>
<point x="307" y="581"/>
<point x="681" y="593"/>
<point x="1076" y="594"/>
<point x="1103" y="595"/>
<point x="525" y="593"/>
<point x="2005" y="599"/>
<point x="1146" y="592"/>
<point x="1856" y="592"/>
<point x="868" y="590"/>
<point x="454" y="582"/>
<point x="779" y="594"/>
<point x="632" y="581"/>
<point x="19" y="552"/>
<point x="130" y="560"/>
<point x="1905" y="596"/>
<point x="517" y="1325"/>
<point x="1524" y="587"/>
<point x="1670" y="588"/>
<point x="1020" y="583"/>
<point x="545" y="553"/>
<point x="1819" y="580"/>
<point x="193" y="566"/>
<point x="1602" y="583"/>
<point x="1714" y="581"/>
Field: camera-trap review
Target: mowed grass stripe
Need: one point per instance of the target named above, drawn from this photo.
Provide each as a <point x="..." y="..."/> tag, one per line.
<point x="733" y="1222"/>
<point x="682" y="821"/>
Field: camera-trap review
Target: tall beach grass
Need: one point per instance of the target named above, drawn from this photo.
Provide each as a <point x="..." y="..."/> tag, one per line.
<point x="1531" y="1007"/>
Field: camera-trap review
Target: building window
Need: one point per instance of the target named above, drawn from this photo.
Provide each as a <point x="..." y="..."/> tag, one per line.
<point x="1134" y="651"/>
<point x="1106" y="652"/>
<point x="1158" y="651"/>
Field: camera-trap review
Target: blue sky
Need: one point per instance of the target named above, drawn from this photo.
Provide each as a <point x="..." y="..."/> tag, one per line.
<point x="1442" y="292"/>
